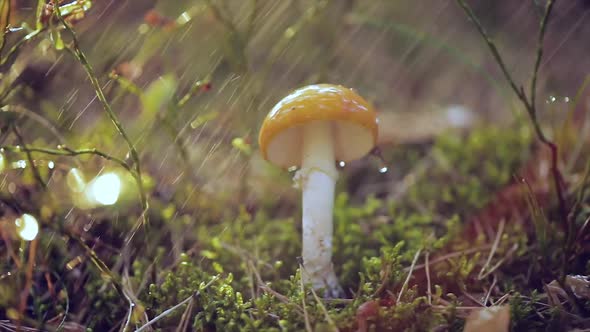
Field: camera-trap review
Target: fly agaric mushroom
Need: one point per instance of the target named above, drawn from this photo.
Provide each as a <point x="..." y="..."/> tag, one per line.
<point x="313" y="128"/>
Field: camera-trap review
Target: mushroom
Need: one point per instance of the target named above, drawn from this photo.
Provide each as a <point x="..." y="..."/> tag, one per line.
<point x="313" y="128"/>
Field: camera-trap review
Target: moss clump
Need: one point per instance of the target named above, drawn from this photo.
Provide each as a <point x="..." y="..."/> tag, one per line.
<point x="471" y="168"/>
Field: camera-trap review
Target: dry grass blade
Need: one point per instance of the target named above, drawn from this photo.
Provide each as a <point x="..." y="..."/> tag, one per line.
<point x="449" y="256"/>
<point x="185" y="318"/>
<point x="305" y="315"/>
<point x="128" y="318"/>
<point x="172" y="309"/>
<point x="401" y="292"/>
<point x="489" y="292"/>
<point x="493" y="250"/>
<point x="7" y="325"/>
<point x="81" y="57"/>
<point x="510" y="252"/>
<point x="324" y="310"/>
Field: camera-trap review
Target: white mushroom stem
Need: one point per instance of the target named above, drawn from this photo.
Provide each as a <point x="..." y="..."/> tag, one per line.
<point x="317" y="179"/>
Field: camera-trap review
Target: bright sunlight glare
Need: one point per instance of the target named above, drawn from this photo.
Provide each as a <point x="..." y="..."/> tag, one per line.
<point x="27" y="227"/>
<point x="104" y="189"/>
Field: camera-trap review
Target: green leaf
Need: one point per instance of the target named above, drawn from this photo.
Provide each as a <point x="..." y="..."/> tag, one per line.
<point x="159" y="94"/>
<point x="4" y="20"/>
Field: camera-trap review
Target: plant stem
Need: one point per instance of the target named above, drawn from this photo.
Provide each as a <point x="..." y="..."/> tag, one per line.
<point x="529" y="104"/>
<point x="494" y="50"/>
<point x="65" y="151"/>
<point x="78" y="54"/>
<point x="12" y="51"/>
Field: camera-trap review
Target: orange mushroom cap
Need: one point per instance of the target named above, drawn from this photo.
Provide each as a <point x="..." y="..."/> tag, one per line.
<point x="353" y="119"/>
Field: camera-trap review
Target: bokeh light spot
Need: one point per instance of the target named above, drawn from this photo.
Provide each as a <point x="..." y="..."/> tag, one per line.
<point x="104" y="189"/>
<point x="27" y="227"/>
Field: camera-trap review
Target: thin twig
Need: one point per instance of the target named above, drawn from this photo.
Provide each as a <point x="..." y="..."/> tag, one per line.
<point x="557" y="177"/>
<point x="489" y="292"/>
<point x="449" y="256"/>
<point x="501" y="261"/>
<point x="542" y="29"/>
<point x="324" y="310"/>
<point x="494" y="248"/>
<point x="265" y="288"/>
<point x="78" y="54"/>
<point x="128" y="319"/>
<point x="530" y="104"/>
<point x="399" y="296"/>
<point x="186" y="317"/>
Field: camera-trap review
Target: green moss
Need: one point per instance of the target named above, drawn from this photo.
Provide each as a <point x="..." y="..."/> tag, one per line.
<point x="476" y="166"/>
<point x="373" y="243"/>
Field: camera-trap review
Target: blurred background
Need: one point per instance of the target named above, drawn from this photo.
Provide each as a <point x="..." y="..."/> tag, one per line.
<point x="414" y="61"/>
